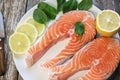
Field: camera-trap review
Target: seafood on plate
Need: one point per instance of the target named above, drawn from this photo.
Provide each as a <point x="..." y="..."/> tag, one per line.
<point x="100" y="57"/>
<point x="61" y="29"/>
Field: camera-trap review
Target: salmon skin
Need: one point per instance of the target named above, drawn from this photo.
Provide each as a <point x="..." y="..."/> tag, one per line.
<point x="100" y="57"/>
<point x="63" y="28"/>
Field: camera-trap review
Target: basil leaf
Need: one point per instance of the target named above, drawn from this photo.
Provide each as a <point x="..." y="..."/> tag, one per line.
<point x="39" y="16"/>
<point x="79" y="28"/>
<point x="50" y="11"/>
<point x="70" y="5"/>
<point x="60" y="4"/>
<point x="85" y="5"/>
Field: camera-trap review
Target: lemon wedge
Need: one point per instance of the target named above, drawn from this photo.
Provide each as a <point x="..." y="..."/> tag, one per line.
<point x="40" y="27"/>
<point x="107" y="23"/>
<point x="29" y="30"/>
<point x="19" y="43"/>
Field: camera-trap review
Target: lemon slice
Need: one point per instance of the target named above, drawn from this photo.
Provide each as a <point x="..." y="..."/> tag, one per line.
<point x="107" y="23"/>
<point x="29" y="30"/>
<point x="40" y="27"/>
<point x="19" y="43"/>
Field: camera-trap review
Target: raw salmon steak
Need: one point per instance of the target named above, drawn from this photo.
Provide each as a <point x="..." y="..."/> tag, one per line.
<point x="63" y="28"/>
<point x="100" y="57"/>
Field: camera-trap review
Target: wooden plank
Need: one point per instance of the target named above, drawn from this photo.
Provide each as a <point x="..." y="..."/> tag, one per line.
<point x="98" y="3"/>
<point x="31" y="3"/>
<point x="13" y="10"/>
<point x="19" y="77"/>
<point x="105" y="4"/>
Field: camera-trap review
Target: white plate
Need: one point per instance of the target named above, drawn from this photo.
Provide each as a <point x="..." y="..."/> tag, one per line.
<point x="35" y="73"/>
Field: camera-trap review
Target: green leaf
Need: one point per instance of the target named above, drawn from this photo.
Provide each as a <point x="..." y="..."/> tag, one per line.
<point x="50" y="11"/>
<point x="70" y="5"/>
<point x="39" y="16"/>
<point x="85" y="4"/>
<point x="79" y="28"/>
<point x="60" y="4"/>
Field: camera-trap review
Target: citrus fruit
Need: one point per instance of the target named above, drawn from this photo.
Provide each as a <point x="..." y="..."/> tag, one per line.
<point x="107" y="23"/>
<point x="29" y="30"/>
<point x="40" y="27"/>
<point x="19" y="43"/>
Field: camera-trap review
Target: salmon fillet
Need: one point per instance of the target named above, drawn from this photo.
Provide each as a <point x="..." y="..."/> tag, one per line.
<point x="100" y="57"/>
<point x="63" y="28"/>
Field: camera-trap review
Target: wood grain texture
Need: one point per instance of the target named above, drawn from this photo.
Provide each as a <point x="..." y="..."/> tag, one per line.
<point x="13" y="10"/>
<point x="31" y="3"/>
<point x="19" y="77"/>
<point x="104" y="4"/>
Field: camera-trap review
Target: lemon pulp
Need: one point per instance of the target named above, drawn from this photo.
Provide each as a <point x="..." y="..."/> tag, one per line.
<point x="40" y="27"/>
<point x="19" y="43"/>
<point x="29" y="30"/>
<point x="107" y="23"/>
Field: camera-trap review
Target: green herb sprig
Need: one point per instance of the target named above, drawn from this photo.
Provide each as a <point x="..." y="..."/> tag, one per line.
<point x="50" y="11"/>
<point x="70" y="5"/>
<point x="79" y="28"/>
<point x="44" y="13"/>
<point x="39" y="16"/>
<point x="60" y="4"/>
<point x="85" y="4"/>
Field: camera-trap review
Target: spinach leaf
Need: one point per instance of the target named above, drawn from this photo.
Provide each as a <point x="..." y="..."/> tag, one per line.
<point x="50" y="11"/>
<point x="85" y="5"/>
<point x="60" y="4"/>
<point x="79" y="28"/>
<point x="70" y="5"/>
<point x="39" y="16"/>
